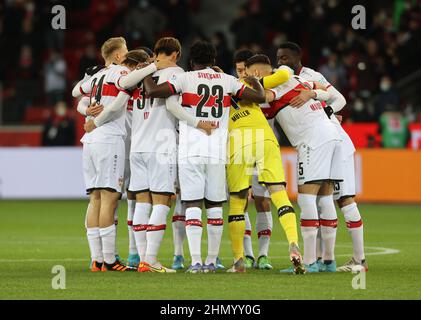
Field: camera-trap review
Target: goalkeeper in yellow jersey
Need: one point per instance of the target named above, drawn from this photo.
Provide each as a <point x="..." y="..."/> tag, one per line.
<point x="252" y="144"/>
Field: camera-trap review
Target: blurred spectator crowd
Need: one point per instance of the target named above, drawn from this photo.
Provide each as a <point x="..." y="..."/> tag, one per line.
<point x="39" y="65"/>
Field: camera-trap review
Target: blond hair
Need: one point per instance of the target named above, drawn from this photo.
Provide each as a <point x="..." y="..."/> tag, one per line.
<point x="112" y="45"/>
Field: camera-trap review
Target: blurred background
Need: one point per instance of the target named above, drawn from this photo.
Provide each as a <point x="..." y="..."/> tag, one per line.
<point x="377" y="69"/>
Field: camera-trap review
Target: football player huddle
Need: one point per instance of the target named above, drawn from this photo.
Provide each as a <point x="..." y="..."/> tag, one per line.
<point x="157" y="132"/>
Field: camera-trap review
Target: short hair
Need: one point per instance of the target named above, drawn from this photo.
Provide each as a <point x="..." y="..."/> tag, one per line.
<point x="291" y="46"/>
<point x="242" y="55"/>
<point x="202" y="52"/>
<point x="258" y="58"/>
<point x="111" y="45"/>
<point x="167" y="45"/>
<point x="134" y="57"/>
<point x="147" y="50"/>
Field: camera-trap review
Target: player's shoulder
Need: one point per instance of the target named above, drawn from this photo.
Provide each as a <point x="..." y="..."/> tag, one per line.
<point x="170" y="71"/>
<point x="309" y="73"/>
<point x="118" y="70"/>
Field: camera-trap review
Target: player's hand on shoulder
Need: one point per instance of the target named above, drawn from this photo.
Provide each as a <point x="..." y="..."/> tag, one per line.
<point x="89" y="126"/>
<point x="94" y="109"/>
<point x="207" y="126"/>
<point x="302" y="98"/>
<point x="162" y="64"/>
<point x="251" y="79"/>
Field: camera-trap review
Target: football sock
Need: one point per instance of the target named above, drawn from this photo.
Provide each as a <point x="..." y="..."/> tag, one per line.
<point x="194" y="233"/>
<point x="319" y="248"/>
<point x="131" y="204"/>
<point x="309" y="225"/>
<point x="355" y="227"/>
<point x="264" y="223"/>
<point x="116" y="226"/>
<point x="328" y="226"/>
<point x="140" y="224"/>
<point x="108" y="243"/>
<point x="237" y="225"/>
<point x="214" y="229"/>
<point x="155" y="231"/>
<point x="248" y="247"/>
<point x="286" y="215"/>
<point x="95" y="245"/>
<point x="178" y="227"/>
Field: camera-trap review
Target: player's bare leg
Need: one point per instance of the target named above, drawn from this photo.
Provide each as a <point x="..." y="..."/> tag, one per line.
<point x="141" y="220"/>
<point x="328" y="226"/>
<point x="92" y="230"/>
<point x="194" y="232"/>
<point x="215" y="224"/>
<point x="133" y="258"/>
<point x="264" y="224"/>
<point x="355" y="227"/>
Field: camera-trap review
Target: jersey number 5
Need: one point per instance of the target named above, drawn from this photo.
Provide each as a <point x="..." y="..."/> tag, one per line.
<point x="217" y="108"/>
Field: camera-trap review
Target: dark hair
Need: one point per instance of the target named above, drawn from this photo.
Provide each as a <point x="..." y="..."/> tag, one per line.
<point x="291" y="46"/>
<point x="134" y="57"/>
<point x="147" y="50"/>
<point x="203" y="52"/>
<point x="258" y="58"/>
<point x="167" y="45"/>
<point x="242" y="55"/>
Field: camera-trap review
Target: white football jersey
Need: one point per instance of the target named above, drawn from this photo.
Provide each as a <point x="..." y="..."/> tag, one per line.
<point x="103" y="87"/>
<point x="307" y="124"/>
<point x="312" y="75"/>
<point x="153" y="126"/>
<point x="206" y="94"/>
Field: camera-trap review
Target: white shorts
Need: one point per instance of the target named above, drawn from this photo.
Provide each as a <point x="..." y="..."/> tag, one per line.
<point x="154" y="172"/>
<point x="202" y="178"/>
<point x="322" y="163"/>
<point x="126" y="174"/>
<point x="103" y="165"/>
<point x="258" y="189"/>
<point x="347" y="186"/>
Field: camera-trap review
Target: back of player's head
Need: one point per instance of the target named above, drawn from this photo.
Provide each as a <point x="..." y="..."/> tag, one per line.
<point x="168" y="45"/>
<point x="147" y="50"/>
<point x="203" y="53"/>
<point x="242" y="55"/>
<point x="258" y="59"/>
<point x="134" y="57"/>
<point x="112" y="45"/>
<point x="291" y="46"/>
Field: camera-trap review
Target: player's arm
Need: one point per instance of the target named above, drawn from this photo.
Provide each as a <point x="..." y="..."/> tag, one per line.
<point x="307" y="94"/>
<point x="163" y="90"/>
<point x="85" y="109"/>
<point x="177" y="110"/>
<point x="255" y="94"/>
<point x="112" y="112"/>
<point x="279" y="77"/>
<point x="336" y="101"/>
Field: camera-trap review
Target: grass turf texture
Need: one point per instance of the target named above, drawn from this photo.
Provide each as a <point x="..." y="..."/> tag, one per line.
<point x="36" y="235"/>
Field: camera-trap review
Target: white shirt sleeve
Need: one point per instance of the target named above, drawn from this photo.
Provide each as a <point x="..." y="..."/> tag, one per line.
<point x="236" y="87"/>
<point x="76" y="93"/>
<point x="114" y="110"/>
<point x="130" y="80"/>
<point x="337" y="101"/>
<point x="83" y="105"/>
<point x="177" y="110"/>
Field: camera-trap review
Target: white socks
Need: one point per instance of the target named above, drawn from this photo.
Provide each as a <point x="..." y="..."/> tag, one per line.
<point x="131" y="204"/>
<point x="264" y="224"/>
<point x="355" y="228"/>
<point x="248" y="248"/>
<point x="194" y="233"/>
<point x="95" y="245"/>
<point x="155" y="231"/>
<point x="178" y="227"/>
<point x="328" y="226"/>
<point x="140" y="224"/>
<point x="108" y="243"/>
<point x="309" y="225"/>
<point x="214" y="228"/>
<point x="116" y="226"/>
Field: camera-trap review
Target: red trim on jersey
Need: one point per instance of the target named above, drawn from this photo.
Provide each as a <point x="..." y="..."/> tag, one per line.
<point x="109" y="90"/>
<point x="278" y="105"/>
<point x="216" y="222"/>
<point x="156" y="228"/>
<point x="193" y="99"/>
<point x="354" y="224"/>
<point x="247" y="233"/>
<point x="266" y="232"/>
<point x="309" y="223"/>
<point x="129" y="222"/>
<point x="81" y="91"/>
<point x="241" y="91"/>
<point x="140" y="227"/>
<point x="194" y="222"/>
<point x="172" y="88"/>
<point x="329" y="85"/>
<point x="329" y="223"/>
<point x="178" y="218"/>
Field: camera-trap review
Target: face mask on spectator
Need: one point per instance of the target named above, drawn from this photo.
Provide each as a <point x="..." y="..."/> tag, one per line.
<point x="385" y="85"/>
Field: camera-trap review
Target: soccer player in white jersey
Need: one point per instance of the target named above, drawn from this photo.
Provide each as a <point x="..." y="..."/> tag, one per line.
<point x="261" y="195"/>
<point x="103" y="159"/>
<point x="290" y="54"/>
<point x="316" y="139"/>
<point x="206" y="95"/>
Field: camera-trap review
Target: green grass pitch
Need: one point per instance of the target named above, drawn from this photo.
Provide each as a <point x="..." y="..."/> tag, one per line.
<point x="36" y="235"/>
